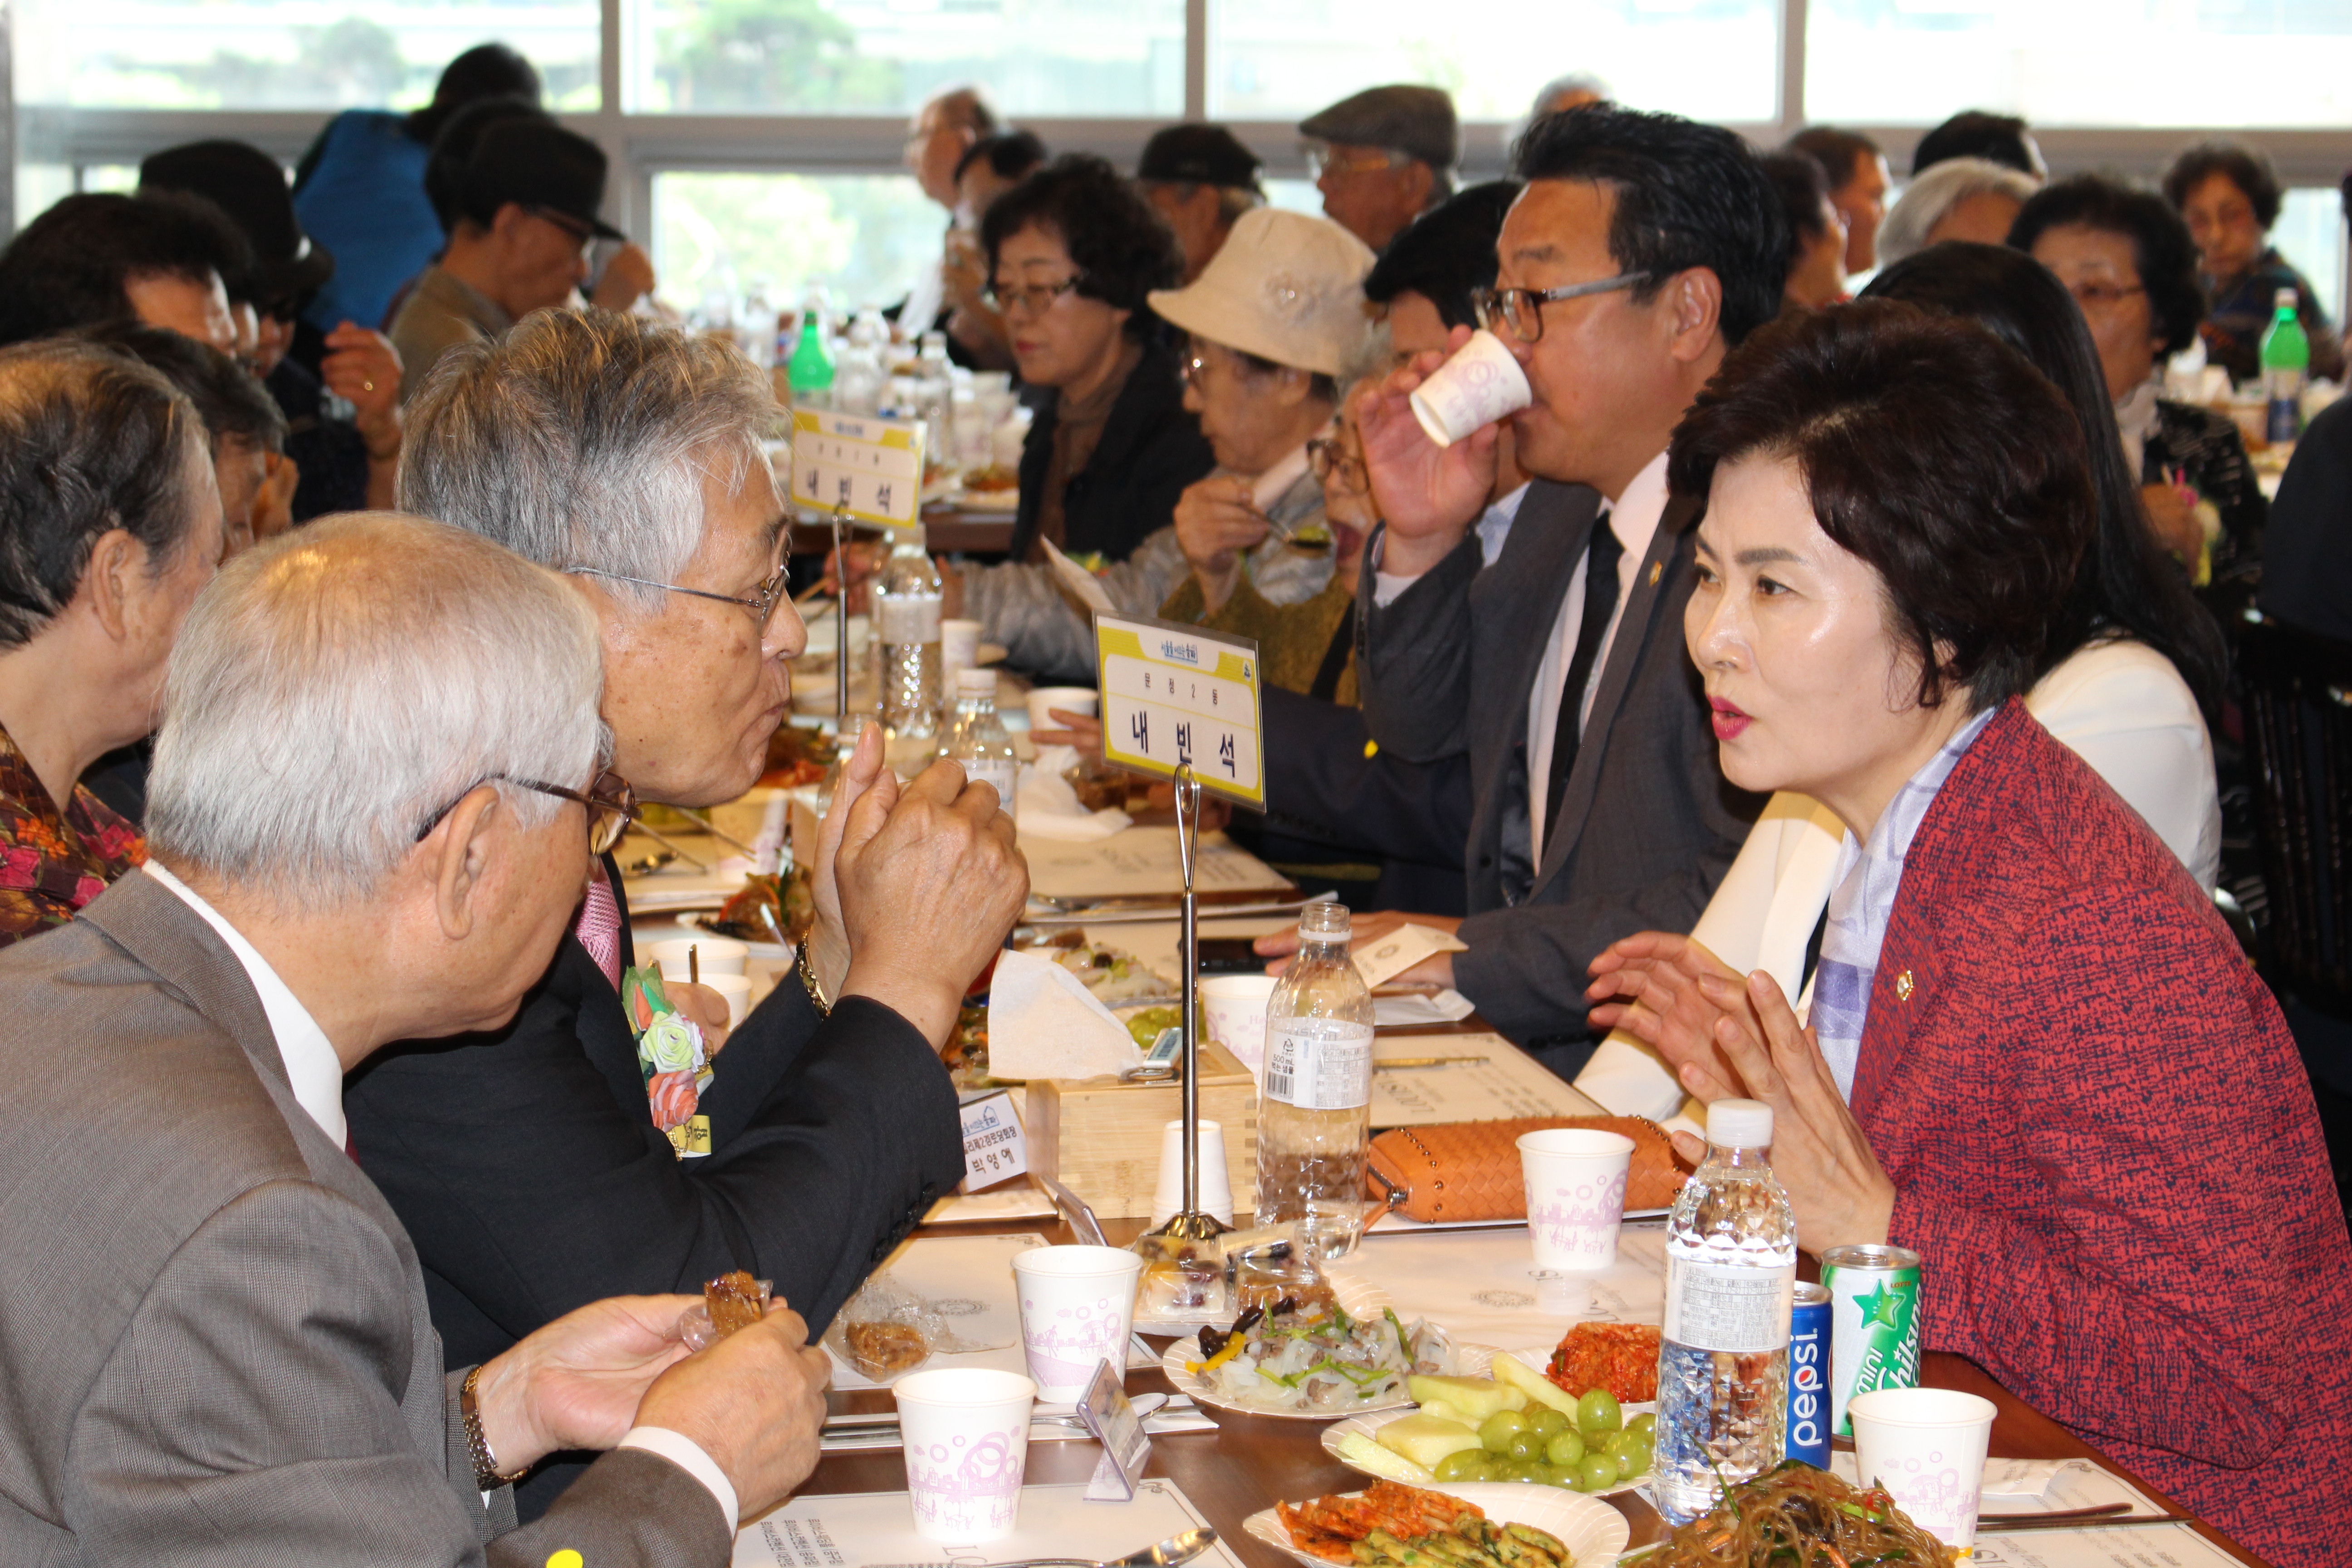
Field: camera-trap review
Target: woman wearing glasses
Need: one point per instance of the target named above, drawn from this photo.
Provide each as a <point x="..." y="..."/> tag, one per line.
<point x="109" y="526"/>
<point x="2128" y="260"/>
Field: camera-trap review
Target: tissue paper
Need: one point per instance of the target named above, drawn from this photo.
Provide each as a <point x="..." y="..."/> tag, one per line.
<point x="1043" y="1023"/>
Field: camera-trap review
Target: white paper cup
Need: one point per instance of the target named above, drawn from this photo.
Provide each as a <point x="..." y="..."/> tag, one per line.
<point x="1576" y="1194"/>
<point x="1216" y="1183"/>
<point x="1077" y="1305"/>
<point x="966" y="1435"/>
<point x="1476" y="387"/>
<point x="959" y="645"/>
<point x="717" y="954"/>
<point x="737" y="989"/>
<point x="1926" y="1446"/>
<point x="1233" y="1014"/>
<point x="1068" y="698"/>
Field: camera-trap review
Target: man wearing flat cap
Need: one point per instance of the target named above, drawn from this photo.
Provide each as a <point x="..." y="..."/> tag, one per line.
<point x="1384" y="157"/>
<point x="527" y="205"/>
<point x="1200" y="178"/>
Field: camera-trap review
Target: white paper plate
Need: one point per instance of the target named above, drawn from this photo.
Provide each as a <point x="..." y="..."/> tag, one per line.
<point x="1358" y="1299"/>
<point x="1593" y="1533"/>
<point x="1366" y="1426"/>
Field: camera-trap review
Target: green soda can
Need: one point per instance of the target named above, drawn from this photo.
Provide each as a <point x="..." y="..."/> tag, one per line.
<point x="1873" y="1323"/>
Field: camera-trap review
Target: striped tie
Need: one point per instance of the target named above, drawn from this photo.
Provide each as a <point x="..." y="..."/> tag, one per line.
<point x="599" y="928"/>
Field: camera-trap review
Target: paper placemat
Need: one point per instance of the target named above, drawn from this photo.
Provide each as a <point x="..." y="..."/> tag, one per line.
<point x="855" y="1529"/>
<point x="2043" y="1485"/>
<point x="2117" y="1546"/>
<point x="1015" y="1200"/>
<point x="1142" y="862"/>
<point x="1483" y="1286"/>
<point x="1508" y="1084"/>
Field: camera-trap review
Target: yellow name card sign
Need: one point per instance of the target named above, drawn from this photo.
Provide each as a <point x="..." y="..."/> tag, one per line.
<point x="1173" y="695"/>
<point x="870" y="468"/>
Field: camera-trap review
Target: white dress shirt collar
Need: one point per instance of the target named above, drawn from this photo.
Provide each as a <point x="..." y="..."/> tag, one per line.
<point x="312" y="1068"/>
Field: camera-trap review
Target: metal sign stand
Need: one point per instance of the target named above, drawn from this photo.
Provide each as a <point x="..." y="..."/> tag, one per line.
<point x="1190" y="1224"/>
<point x="841" y="626"/>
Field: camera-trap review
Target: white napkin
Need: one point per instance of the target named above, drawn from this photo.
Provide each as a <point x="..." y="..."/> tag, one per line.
<point x="1043" y="1023"/>
<point x="1049" y="807"/>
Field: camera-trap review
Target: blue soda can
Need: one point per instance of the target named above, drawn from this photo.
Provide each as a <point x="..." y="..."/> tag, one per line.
<point x="1808" y="1377"/>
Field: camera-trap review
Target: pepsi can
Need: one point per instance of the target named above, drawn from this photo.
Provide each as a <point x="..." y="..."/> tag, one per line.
<point x="1808" y="1377"/>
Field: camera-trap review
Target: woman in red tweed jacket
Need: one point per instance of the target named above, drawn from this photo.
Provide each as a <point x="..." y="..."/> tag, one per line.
<point x="2034" y="1055"/>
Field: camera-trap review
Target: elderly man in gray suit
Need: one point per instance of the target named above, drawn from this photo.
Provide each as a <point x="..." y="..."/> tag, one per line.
<point x="1642" y="247"/>
<point x="380" y="747"/>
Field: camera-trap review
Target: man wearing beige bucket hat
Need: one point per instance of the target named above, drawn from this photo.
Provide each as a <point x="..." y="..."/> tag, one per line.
<point x="1273" y="323"/>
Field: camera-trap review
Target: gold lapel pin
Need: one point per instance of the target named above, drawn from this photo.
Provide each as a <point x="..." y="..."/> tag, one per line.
<point x="1657" y="570"/>
<point x="1902" y="987"/>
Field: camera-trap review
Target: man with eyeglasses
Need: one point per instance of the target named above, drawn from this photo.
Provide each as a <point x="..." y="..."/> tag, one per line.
<point x="1382" y="157"/>
<point x="214" y="1332"/>
<point x="527" y="1162"/>
<point x="527" y="212"/>
<point x="1642" y="247"/>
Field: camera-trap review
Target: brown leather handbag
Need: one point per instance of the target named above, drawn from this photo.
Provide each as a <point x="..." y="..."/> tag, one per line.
<point x="1470" y="1170"/>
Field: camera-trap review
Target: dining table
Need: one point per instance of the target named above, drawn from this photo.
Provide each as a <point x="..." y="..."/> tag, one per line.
<point x="1248" y="1463"/>
<point x="1252" y="1462"/>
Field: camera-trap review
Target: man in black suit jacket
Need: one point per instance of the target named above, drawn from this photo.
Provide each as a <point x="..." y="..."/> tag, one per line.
<point x="525" y="1164"/>
<point x="1642" y="247"/>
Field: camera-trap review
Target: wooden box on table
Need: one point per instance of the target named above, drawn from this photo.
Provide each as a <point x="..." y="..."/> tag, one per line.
<point x="1101" y="1138"/>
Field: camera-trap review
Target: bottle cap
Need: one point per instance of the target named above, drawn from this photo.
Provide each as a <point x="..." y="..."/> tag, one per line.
<point x="976" y="682"/>
<point x="2286" y="299"/>
<point x="1323" y="921"/>
<point x="1739" y="1124"/>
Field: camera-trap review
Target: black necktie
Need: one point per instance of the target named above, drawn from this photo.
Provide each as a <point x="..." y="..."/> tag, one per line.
<point x="1599" y="603"/>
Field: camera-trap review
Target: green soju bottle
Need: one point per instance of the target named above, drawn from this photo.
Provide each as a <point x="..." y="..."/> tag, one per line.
<point x="2286" y="361"/>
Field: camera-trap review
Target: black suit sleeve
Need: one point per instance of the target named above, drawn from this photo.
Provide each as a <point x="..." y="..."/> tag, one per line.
<point x="527" y="1168"/>
<point x="1320" y="784"/>
<point x="1413" y="656"/>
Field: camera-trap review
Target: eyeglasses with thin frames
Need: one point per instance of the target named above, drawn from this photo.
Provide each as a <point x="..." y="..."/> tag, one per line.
<point x="1358" y="161"/>
<point x="1327" y="456"/>
<point x="1031" y="299"/>
<point x="611" y="800"/>
<point x="2103" y="296"/>
<point x="761" y="603"/>
<point x="1521" y="309"/>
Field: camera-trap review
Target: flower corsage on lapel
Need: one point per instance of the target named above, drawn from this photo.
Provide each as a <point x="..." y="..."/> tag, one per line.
<point x="671" y="1055"/>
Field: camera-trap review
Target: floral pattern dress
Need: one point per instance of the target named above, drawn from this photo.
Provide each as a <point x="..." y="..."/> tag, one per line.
<point x="51" y="865"/>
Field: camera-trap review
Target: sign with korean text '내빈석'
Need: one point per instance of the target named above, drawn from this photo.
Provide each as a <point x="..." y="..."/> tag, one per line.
<point x="1173" y="695"/>
<point x="872" y="468"/>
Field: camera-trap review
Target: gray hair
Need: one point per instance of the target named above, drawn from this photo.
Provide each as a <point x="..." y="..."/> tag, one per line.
<point x="582" y="439"/>
<point x="335" y="688"/>
<point x="1929" y="199"/>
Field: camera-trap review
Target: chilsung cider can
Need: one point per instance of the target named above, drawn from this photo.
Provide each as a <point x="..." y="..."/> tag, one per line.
<point x="1808" y="1377"/>
<point x="1873" y="1323"/>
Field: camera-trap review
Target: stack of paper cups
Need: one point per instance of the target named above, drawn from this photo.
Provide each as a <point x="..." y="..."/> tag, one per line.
<point x="1077" y="1305"/>
<point x="966" y="1433"/>
<point x="1216" y="1183"/>
<point x="1927" y="1448"/>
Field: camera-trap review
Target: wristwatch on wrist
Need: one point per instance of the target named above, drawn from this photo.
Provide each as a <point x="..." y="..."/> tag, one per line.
<point x="487" y="1477"/>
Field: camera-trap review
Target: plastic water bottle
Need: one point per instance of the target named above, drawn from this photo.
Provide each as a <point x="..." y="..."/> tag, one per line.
<point x="907" y="626"/>
<point x="2286" y="361"/>
<point x="977" y="737"/>
<point x="1317" y="1107"/>
<point x="1731" y="1272"/>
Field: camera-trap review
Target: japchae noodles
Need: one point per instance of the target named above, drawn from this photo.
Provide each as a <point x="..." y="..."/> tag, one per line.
<point x="1799" y="1516"/>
